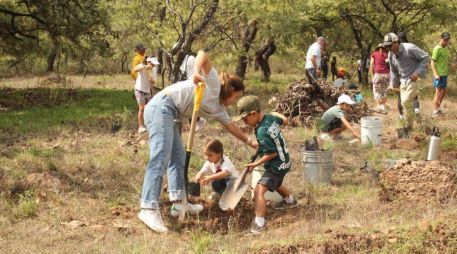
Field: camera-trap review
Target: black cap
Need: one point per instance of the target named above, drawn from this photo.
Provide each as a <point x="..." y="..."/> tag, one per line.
<point x="139" y="47"/>
<point x="446" y="36"/>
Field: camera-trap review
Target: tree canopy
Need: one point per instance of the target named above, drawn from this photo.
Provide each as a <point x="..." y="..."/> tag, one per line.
<point x="51" y="33"/>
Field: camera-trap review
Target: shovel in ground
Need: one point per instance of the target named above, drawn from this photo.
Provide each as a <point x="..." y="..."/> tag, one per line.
<point x="235" y="190"/>
<point x="199" y="92"/>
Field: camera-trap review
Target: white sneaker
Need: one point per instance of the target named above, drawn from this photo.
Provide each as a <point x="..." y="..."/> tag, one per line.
<point x="200" y="123"/>
<point x="153" y="220"/>
<point x="141" y="130"/>
<point x="382" y="107"/>
<point x="435" y="113"/>
<point x="402" y="117"/>
<point x="416" y="111"/>
<point x="190" y="208"/>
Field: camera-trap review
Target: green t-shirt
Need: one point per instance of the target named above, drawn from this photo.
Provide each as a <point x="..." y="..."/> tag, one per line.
<point x="330" y="117"/>
<point x="270" y="141"/>
<point x="441" y="57"/>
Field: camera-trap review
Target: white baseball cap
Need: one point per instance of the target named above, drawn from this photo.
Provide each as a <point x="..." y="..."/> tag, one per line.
<point x="345" y="99"/>
<point x="153" y="60"/>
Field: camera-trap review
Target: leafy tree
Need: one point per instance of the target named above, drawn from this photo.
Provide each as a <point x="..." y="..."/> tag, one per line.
<point x="58" y="23"/>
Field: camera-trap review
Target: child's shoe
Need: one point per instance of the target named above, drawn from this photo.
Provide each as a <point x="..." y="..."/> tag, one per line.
<point x="326" y="136"/>
<point x="284" y="205"/>
<point x="256" y="229"/>
<point x="200" y="123"/>
<point x="141" y="130"/>
<point x="190" y="208"/>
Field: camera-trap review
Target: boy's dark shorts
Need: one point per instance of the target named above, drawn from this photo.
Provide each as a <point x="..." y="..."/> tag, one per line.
<point x="337" y="123"/>
<point x="272" y="180"/>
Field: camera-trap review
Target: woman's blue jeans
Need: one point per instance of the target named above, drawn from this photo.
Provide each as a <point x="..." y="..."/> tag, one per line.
<point x="166" y="152"/>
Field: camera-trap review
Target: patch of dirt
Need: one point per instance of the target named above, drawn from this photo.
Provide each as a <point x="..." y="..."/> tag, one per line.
<point x="44" y="180"/>
<point x="18" y="99"/>
<point x="212" y="219"/>
<point x="124" y="212"/>
<point x="405" y="144"/>
<point x="448" y="156"/>
<point x="350" y="243"/>
<point x="339" y="243"/>
<point x="441" y="238"/>
<point x="419" y="180"/>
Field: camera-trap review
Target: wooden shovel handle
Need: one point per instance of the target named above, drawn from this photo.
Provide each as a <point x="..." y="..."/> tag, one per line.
<point x="246" y="171"/>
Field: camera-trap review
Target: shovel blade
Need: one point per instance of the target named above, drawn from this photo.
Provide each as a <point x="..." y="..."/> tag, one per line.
<point x="232" y="195"/>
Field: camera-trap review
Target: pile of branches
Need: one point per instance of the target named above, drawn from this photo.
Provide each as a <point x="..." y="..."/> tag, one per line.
<point x="303" y="101"/>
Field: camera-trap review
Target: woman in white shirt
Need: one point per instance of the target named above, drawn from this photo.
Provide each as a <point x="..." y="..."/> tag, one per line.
<point x="166" y="149"/>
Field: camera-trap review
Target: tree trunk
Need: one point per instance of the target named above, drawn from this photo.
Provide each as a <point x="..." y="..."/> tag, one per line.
<point x="124" y="57"/>
<point x="160" y="59"/>
<point x="248" y="38"/>
<point x="262" y="57"/>
<point x="51" y="59"/>
<point x="183" y="46"/>
<point x="365" y="53"/>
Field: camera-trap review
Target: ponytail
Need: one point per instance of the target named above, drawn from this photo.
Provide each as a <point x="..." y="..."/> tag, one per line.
<point x="229" y="85"/>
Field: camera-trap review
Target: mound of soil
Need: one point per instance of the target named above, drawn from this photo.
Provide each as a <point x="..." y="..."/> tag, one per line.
<point x="17" y="99"/>
<point x="212" y="219"/>
<point x="419" y="180"/>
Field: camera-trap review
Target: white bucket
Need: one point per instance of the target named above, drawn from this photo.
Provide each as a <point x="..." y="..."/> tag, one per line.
<point x="256" y="174"/>
<point x="371" y="130"/>
<point x="318" y="166"/>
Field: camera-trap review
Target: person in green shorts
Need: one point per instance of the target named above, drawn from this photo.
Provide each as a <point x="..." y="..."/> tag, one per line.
<point x="439" y="63"/>
<point x="273" y="154"/>
<point x="333" y="121"/>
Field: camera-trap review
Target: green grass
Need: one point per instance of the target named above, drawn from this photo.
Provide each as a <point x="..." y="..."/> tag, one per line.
<point x="101" y="102"/>
<point x="27" y="207"/>
<point x="200" y="242"/>
<point x="449" y="143"/>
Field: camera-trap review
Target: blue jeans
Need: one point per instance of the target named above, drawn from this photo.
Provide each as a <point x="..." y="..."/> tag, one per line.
<point x="166" y="152"/>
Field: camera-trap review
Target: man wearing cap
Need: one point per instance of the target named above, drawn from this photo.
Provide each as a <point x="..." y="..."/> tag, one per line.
<point x="313" y="60"/>
<point x="333" y="121"/>
<point x="146" y="78"/>
<point x="439" y="63"/>
<point x="137" y="59"/>
<point x="407" y="63"/>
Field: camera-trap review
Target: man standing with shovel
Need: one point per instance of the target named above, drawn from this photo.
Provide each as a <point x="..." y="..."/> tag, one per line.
<point x="407" y="63"/>
<point x="166" y="150"/>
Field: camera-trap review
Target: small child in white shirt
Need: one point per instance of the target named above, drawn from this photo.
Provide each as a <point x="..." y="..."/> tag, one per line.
<point x="147" y="76"/>
<point x="218" y="169"/>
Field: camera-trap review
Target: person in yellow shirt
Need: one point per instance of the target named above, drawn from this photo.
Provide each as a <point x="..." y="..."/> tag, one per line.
<point x="139" y="57"/>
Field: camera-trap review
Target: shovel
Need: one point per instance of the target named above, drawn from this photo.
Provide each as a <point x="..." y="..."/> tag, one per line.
<point x="235" y="190"/>
<point x="199" y="92"/>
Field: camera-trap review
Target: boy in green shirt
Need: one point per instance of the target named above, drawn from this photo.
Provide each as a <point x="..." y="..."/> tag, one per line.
<point x="274" y="155"/>
<point x="439" y="63"/>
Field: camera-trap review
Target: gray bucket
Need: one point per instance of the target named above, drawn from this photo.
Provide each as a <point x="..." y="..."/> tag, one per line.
<point x="318" y="166"/>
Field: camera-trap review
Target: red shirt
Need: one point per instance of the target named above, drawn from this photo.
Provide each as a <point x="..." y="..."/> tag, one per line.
<point x="380" y="64"/>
